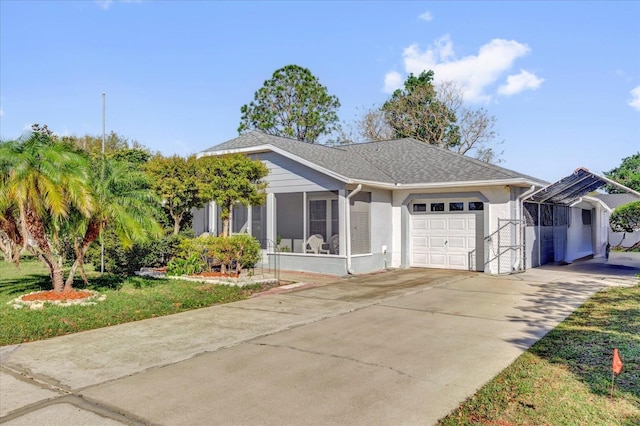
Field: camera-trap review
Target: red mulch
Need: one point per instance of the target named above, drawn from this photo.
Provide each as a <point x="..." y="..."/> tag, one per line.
<point x="216" y="274"/>
<point x="57" y="295"/>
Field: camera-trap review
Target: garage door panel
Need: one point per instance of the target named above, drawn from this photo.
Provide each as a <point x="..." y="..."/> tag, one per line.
<point x="437" y="260"/>
<point x="435" y="224"/>
<point x="437" y="242"/>
<point x="458" y="261"/>
<point x="419" y="225"/>
<point x="457" y="224"/>
<point x="458" y="242"/>
<point x="419" y="243"/>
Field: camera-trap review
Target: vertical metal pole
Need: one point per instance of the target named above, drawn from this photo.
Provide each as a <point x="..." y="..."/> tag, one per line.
<point x="104" y="97"/>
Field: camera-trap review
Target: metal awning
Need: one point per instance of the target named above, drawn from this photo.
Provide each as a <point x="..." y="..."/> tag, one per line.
<point x="568" y="190"/>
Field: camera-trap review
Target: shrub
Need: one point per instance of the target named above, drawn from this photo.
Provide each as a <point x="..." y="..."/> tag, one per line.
<point x="193" y="264"/>
<point x="239" y="251"/>
<point x="154" y="253"/>
<point x="236" y="252"/>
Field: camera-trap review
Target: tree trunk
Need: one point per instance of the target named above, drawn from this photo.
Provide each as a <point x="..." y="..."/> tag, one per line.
<point x="11" y="239"/>
<point x="91" y="234"/>
<point x="177" y="218"/>
<point x="36" y="229"/>
<point x="225" y="227"/>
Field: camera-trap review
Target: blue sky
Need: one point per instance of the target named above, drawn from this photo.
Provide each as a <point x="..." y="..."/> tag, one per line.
<point x="562" y="78"/>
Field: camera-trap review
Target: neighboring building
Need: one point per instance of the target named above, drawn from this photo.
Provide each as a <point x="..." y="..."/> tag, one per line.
<point x="365" y="207"/>
<point x="613" y="201"/>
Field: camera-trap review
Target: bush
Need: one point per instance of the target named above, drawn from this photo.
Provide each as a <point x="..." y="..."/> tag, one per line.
<point x="117" y="260"/>
<point x="241" y="251"/>
<point x="235" y="252"/>
<point x="193" y="264"/>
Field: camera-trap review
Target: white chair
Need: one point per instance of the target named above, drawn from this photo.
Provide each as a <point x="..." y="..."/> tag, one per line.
<point x="334" y="244"/>
<point x="314" y="244"/>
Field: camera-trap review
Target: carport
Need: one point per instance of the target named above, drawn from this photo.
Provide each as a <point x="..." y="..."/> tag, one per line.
<point x="564" y="223"/>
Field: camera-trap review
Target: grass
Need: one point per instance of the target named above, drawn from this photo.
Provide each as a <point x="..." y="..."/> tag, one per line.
<point x="128" y="299"/>
<point x="565" y="378"/>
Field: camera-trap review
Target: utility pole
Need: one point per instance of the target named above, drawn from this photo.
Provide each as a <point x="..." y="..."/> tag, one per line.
<point x="104" y="103"/>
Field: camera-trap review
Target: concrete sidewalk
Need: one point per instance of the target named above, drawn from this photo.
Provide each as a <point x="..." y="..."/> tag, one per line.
<point x="401" y="347"/>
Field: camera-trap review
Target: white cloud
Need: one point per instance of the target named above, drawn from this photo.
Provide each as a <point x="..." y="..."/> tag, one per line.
<point x="393" y="80"/>
<point x="426" y="16"/>
<point x="635" y="98"/>
<point x="520" y="82"/>
<point x="474" y="74"/>
<point x="1" y="112"/>
<point x="104" y="4"/>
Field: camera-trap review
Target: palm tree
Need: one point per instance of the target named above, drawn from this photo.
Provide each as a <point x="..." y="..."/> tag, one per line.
<point x="125" y="203"/>
<point x="44" y="179"/>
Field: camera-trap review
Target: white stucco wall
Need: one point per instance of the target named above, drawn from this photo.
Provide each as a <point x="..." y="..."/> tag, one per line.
<point x="586" y="240"/>
<point x="579" y="239"/>
<point x="382" y="225"/>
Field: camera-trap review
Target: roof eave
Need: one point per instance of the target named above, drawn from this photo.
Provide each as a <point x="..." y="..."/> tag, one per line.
<point x="520" y="182"/>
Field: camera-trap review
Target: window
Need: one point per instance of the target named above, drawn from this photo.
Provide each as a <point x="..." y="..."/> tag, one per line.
<point x="476" y="205"/>
<point x="318" y="217"/>
<point x="437" y="207"/>
<point x="417" y="208"/>
<point x="456" y="207"/>
<point x="586" y="217"/>
<point x="334" y="218"/>
<point x="323" y="217"/>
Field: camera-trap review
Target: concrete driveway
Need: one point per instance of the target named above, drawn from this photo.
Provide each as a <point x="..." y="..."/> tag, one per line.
<point x="400" y="347"/>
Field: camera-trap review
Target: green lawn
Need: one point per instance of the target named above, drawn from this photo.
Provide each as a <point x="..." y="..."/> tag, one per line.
<point x="565" y="379"/>
<point x="128" y="299"/>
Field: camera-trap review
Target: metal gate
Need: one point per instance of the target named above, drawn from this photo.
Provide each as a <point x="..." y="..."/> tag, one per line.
<point x="505" y="248"/>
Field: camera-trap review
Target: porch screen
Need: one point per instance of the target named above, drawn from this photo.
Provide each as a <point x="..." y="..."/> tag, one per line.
<point x="531" y="214"/>
<point x="360" y="223"/>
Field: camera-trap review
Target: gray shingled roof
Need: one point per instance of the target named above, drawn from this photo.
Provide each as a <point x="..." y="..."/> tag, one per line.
<point x="402" y="161"/>
<point x="614" y="200"/>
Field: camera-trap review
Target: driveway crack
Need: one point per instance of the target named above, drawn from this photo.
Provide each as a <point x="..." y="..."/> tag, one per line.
<point x="347" y="358"/>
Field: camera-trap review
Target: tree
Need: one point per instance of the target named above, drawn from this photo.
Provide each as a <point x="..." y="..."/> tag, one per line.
<point x="291" y="104"/>
<point x="626" y="218"/>
<point x="44" y="180"/>
<point x="230" y="180"/>
<point x="627" y="173"/>
<point x="11" y="240"/>
<point x="125" y="202"/>
<point x="113" y="143"/>
<point x="416" y="112"/>
<point x="435" y="114"/>
<point x="176" y="181"/>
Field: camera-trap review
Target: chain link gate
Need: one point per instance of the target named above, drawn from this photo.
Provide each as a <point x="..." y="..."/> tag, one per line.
<point x="505" y="248"/>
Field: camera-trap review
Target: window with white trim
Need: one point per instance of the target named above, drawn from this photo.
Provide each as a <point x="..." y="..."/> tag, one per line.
<point x="323" y="216"/>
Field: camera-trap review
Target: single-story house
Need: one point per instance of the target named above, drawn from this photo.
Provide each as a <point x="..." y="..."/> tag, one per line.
<point x="366" y="207"/>
<point x="613" y="201"/>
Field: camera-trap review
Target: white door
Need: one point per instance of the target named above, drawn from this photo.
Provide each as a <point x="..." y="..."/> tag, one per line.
<point x="443" y="240"/>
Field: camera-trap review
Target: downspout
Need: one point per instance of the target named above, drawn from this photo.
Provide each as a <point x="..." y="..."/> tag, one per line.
<point x="348" y="227"/>
<point x="520" y="216"/>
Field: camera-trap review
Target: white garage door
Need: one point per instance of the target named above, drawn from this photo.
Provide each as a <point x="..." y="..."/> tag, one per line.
<point x="443" y="240"/>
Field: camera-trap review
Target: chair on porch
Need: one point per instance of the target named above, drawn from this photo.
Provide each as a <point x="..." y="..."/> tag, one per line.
<point x="334" y="244"/>
<point x="314" y="244"/>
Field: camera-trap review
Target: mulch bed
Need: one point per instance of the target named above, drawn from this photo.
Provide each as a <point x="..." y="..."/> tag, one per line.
<point x="57" y="295"/>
